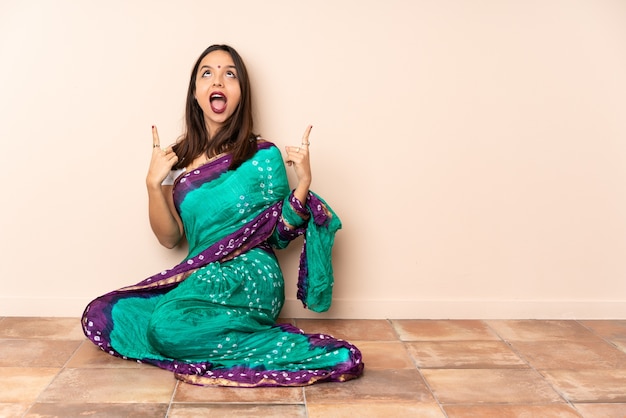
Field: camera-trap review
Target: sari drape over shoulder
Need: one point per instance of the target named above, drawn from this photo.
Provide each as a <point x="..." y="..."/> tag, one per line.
<point x="211" y="319"/>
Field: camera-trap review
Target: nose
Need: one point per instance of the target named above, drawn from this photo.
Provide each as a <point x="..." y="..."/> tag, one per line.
<point x="217" y="81"/>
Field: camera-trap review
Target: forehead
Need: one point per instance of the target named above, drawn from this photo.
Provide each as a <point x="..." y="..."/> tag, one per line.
<point x="217" y="58"/>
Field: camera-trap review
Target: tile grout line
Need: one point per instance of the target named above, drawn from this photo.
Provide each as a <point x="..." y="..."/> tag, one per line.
<point x="306" y="405"/>
<point x="607" y="340"/>
<point x="61" y="369"/>
<point x="169" y="406"/>
<point x="419" y="370"/>
<point x="531" y="367"/>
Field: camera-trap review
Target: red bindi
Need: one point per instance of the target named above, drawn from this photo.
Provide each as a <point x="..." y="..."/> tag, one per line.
<point x="219" y="66"/>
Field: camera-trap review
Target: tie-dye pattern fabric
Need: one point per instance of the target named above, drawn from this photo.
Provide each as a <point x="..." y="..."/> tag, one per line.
<point x="212" y="318"/>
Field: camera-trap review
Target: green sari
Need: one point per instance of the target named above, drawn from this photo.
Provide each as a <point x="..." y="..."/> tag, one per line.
<point x="212" y="318"/>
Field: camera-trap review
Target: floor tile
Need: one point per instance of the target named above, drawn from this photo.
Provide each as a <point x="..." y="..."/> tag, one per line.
<point x="46" y="328"/>
<point x="582" y="386"/>
<point x="604" y="410"/>
<point x="607" y="329"/>
<point x="350" y="329"/>
<point x="464" y="354"/>
<point x="480" y="386"/>
<point x="90" y="356"/>
<point x="236" y="411"/>
<point x="385" y="355"/>
<point x="200" y="394"/>
<point x="24" y="384"/>
<point x="36" y="353"/>
<point x="374" y="385"/>
<point x="98" y="410"/>
<point x="10" y="410"/>
<point x="353" y="409"/>
<point x="543" y="368"/>
<point x="111" y="386"/>
<point x="613" y="331"/>
<point x="442" y="330"/>
<point x="539" y="330"/>
<point x="593" y="353"/>
<point x="511" y="411"/>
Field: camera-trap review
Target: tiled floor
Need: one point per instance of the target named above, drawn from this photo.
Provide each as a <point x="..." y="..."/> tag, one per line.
<point x="414" y="368"/>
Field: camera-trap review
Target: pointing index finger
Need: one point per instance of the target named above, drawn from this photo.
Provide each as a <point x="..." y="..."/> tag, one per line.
<point x="155" y="137"/>
<point x="305" y="137"/>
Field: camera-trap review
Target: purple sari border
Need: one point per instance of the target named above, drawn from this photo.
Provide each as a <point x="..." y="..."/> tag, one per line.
<point x="241" y="376"/>
<point x="98" y="315"/>
<point x="206" y="172"/>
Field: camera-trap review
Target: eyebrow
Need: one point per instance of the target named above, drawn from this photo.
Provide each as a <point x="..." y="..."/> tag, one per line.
<point x="209" y="67"/>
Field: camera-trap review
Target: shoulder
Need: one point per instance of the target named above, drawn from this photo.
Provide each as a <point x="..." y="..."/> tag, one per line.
<point x="268" y="153"/>
<point x="267" y="147"/>
<point x="263" y="143"/>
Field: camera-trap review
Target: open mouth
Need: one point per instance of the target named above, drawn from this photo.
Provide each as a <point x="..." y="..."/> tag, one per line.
<point x="218" y="102"/>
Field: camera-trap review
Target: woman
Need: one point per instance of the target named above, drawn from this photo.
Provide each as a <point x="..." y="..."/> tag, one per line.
<point x="211" y="318"/>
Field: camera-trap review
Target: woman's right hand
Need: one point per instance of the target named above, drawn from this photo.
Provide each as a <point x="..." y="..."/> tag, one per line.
<point x="164" y="220"/>
<point x="161" y="163"/>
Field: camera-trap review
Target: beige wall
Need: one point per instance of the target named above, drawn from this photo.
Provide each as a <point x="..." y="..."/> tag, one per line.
<point x="475" y="150"/>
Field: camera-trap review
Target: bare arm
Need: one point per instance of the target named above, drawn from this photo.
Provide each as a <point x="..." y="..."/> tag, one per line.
<point x="164" y="220"/>
<point x="298" y="157"/>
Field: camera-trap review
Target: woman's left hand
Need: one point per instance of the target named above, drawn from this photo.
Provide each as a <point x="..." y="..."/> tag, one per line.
<point x="298" y="158"/>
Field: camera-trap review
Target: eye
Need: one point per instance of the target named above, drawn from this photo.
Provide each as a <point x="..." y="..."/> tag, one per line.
<point x="206" y="73"/>
<point x="231" y="74"/>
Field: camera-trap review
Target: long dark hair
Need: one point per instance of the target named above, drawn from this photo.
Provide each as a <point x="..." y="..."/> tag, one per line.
<point x="235" y="136"/>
